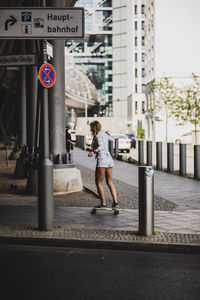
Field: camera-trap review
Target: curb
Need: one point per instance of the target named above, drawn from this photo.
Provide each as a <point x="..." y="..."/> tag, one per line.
<point x="90" y="190"/>
<point x="106" y="245"/>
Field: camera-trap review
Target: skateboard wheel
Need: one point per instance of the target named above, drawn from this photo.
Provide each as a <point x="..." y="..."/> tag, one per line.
<point x="93" y="211"/>
<point x="116" y="212"/>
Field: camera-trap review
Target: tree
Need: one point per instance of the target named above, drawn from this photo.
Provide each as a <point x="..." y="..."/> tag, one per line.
<point x="187" y="107"/>
<point x="165" y="94"/>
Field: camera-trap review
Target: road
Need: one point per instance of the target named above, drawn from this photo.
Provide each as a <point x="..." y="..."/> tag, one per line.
<point x="77" y="274"/>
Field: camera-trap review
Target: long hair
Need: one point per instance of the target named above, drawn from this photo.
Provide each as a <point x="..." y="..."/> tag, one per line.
<point x="95" y="127"/>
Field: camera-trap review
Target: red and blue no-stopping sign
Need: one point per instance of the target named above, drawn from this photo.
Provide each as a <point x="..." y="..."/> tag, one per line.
<point x="47" y="75"/>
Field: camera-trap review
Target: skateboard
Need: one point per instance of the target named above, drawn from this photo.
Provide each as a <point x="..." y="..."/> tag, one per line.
<point x="114" y="209"/>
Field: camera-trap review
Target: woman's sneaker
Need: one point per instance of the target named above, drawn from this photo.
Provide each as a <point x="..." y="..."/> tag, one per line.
<point x="115" y="205"/>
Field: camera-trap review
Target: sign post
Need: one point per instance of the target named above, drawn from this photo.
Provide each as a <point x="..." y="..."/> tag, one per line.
<point x="45" y="167"/>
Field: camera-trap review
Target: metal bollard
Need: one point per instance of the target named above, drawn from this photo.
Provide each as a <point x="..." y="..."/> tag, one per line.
<point x="149" y="153"/>
<point x="116" y="147"/>
<point x="159" y="156"/>
<point x="141" y="153"/>
<point x="71" y="160"/>
<point x="6" y="156"/>
<point x="170" y="157"/>
<point x="182" y="159"/>
<point x="111" y="148"/>
<point x="197" y="161"/>
<point x="146" y="200"/>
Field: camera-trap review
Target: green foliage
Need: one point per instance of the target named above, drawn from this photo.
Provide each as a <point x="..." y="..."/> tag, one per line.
<point x="187" y="108"/>
<point x="166" y="94"/>
<point x="182" y="103"/>
<point x="140" y="133"/>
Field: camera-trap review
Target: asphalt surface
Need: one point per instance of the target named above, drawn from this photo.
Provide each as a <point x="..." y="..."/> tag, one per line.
<point x="79" y="274"/>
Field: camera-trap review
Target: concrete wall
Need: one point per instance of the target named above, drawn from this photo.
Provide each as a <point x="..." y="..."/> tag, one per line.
<point x="111" y="124"/>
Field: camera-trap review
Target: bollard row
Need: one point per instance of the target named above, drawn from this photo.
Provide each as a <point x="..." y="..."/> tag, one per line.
<point x="170" y="157"/>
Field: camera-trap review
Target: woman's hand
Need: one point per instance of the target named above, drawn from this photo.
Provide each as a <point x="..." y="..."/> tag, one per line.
<point x="91" y="153"/>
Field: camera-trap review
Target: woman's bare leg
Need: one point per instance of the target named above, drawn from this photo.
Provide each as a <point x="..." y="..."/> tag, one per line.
<point x="99" y="176"/>
<point x="110" y="184"/>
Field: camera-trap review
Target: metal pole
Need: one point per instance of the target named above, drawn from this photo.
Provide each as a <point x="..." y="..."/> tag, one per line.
<point x="116" y="147"/>
<point x="170" y="157"/>
<point x="141" y="153"/>
<point x="111" y="148"/>
<point x="149" y="153"/>
<point x="159" y="155"/>
<point x="146" y="200"/>
<point x="197" y="162"/>
<point x="45" y="167"/>
<point x="22" y="101"/>
<point x="6" y="155"/>
<point x="182" y="159"/>
<point x="31" y="92"/>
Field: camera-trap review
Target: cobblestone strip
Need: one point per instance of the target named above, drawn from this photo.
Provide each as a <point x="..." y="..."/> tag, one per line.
<point x="104" y="235"/>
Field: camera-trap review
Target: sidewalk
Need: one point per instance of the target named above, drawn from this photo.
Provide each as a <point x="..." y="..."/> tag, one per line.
<point x="177" y="225"/>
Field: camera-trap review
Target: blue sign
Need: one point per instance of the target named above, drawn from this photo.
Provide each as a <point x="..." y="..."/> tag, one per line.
<point x="26" y="16"/>
<point x="47" y="75"/>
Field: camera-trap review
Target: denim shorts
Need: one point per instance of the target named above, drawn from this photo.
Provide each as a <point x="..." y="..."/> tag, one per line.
<point x="105" y="161"/>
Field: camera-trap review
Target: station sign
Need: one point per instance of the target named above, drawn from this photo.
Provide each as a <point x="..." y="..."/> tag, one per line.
<point x="17" y="60"/>
<point x="42" y="23"/>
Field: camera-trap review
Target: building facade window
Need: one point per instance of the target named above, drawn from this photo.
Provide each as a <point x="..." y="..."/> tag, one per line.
<point x="135" y="25"/>
<point x="143" y="41"/>
<point x="135" y="73"/>
<point x="136" y="89"/>
<point x="109" y="89"/>
<point x="136" y="41"/>
<point x="143" y="57"/>
<point x="142" y="25"/>
<point x="143" y="107"/>
<point x="142" y="9"/>
<point x="136" y="107"/>
<point x="135" y="9"/>
<point x="143" y="88"/>
<point x="110" y="77"/>
<point x="143" y="72"/>
<point x="136" y="57"/>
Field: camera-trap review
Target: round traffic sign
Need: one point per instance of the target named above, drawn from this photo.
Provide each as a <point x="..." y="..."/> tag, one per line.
<point x="47" y="75"/>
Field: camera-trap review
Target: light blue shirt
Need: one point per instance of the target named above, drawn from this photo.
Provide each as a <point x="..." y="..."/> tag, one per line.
<point x="101" y="142"/>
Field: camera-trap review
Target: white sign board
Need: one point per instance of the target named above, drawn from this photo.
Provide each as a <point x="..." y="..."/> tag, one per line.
<point x="41" y="23"/>
<point x="16" y="60"/>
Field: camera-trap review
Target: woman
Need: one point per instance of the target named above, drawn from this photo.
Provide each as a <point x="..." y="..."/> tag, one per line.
<point x="69" y="144"/>
<point x="104" y="162"/>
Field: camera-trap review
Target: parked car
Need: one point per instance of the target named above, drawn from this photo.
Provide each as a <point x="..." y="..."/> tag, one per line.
<point x="132" y="139"/>
<point x="186" y="138"/>
<point x="124" y="144"/>
<point x="88" y="141"/>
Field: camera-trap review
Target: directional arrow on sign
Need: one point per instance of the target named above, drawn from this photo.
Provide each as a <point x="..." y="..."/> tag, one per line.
<point x="12" y="21"/>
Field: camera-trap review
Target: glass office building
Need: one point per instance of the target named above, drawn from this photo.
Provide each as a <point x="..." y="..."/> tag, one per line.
<point x="93" y="55"/>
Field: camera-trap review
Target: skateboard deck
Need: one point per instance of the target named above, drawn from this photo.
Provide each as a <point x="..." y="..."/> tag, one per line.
<point x="113" y="209"/>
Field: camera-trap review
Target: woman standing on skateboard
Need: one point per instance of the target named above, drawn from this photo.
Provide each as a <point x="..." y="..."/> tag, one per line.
<point x="104" y="165"/>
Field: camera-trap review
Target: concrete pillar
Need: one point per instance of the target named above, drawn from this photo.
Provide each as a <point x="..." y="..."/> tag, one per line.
<point x="21" y="164"/>
<point x="57" y="114"/>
